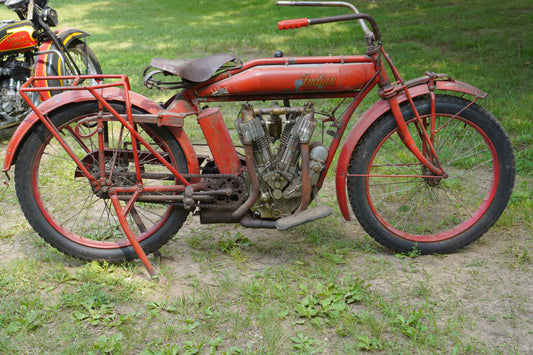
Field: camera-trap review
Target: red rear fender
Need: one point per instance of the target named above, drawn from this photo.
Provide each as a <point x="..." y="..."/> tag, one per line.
<point x="111" y="94"/>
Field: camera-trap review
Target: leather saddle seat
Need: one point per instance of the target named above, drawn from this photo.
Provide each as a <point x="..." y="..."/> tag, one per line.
<point x="196" y="70"/>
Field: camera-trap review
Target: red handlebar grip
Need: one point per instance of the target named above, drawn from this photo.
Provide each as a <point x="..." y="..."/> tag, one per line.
<point x="290" y="24"/>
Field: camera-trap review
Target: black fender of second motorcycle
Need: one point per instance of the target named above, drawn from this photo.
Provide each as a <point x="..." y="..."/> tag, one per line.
<point x="57" y="102"/>
<point x="417" y="87"/>
<point x="49" y="63"/>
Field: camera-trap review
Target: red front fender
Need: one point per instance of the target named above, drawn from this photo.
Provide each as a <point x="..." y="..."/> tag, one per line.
<point x="111" y="94"/>
<point x="423" y="87"/>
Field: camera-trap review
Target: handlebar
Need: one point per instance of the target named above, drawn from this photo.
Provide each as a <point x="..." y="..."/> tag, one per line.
<point x="304" y="22"/>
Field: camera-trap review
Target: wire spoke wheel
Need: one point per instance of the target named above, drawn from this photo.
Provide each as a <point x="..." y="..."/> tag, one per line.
<point x="403" y="205"/>
<point x="78" y="218"/>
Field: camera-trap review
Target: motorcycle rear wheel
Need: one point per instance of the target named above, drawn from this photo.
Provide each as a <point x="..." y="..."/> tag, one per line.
<point x="60" y="203"/>
<point x="399" y="203"/>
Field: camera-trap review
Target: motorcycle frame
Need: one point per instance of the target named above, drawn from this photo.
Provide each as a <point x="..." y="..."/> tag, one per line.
<point x="189" y="103"/>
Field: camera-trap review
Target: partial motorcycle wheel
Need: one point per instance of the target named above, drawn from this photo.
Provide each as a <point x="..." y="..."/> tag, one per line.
<point x="84" y="58"/>
<point x="62" y="206"/>
<point x="403" y="206"/>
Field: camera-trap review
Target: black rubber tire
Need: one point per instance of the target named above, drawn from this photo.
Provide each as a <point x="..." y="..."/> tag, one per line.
<point x="432" y="215"/>
<point x="41" y="188"/>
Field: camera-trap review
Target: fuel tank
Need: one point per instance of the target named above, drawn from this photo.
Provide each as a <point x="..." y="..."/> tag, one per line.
<point x="293" y="77"/>
<point x="17" y="36"/>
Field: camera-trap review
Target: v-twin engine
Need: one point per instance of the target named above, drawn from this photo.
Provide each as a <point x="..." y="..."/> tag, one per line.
<point x="277" y="134"/>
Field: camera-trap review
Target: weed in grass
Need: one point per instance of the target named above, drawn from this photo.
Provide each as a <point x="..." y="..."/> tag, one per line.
<point x="228" y="242"/>
<point x="304" y="344"/>
<point x="108" y="344"/>
<point x="156" y="307"/>
<point x="411" y="254"/>
<point x="123" y="319"/>
<point x="413" y="325"/>
<point x="329" y="300"/>
<point x="167" y="349"/>
<point x="57" y="278"/>
<point x="189" y="325"/>
<point x="94" y="314"/>
<point x="367" y="343"/>
<point x="30" y="315"/>
<point x="191" y="348"/>
<point x="87" y="294"/>
<point x="255" y="294"/>
<point x="212" y="318"/>
<point x="214" y="344"/>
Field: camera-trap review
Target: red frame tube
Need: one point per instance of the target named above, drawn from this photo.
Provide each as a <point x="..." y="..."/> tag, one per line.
<point x="219" y="140"/>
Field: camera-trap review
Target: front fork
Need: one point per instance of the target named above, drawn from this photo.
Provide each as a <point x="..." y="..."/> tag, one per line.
<point x="428" y="157"/>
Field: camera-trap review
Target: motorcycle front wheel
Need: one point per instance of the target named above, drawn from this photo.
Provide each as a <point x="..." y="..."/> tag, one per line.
<point x="403" y="206"/>
<point x="84" y="60"/>
<point x="84" y="57"/>
<point x="68" y="213"/>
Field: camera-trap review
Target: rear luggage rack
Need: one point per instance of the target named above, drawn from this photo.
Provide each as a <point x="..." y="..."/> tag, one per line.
<point x="115" y="84"/>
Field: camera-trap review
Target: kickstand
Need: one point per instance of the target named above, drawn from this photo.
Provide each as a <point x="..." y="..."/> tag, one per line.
<point x="6" y="182"/>
<point x="127" y="230"/>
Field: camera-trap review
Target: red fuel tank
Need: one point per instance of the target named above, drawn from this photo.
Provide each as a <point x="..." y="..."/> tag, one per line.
<point x="17" y="36"/>
<point x="286" y="76"/>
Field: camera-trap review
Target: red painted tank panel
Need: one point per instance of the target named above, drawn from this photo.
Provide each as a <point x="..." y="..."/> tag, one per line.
<point x="17" y="36"/>
<point x="290" y="79"/>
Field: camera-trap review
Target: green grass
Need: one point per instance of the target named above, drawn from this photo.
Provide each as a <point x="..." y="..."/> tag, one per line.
<point x="325" y="287"/>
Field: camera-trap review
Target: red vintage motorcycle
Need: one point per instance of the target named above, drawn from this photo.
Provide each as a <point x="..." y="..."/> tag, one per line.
<point x="30" y="47"/>
<point x="104" y="173"/>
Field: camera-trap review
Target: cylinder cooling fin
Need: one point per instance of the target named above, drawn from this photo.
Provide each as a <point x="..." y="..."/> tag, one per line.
<point x="277" y="134"/>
